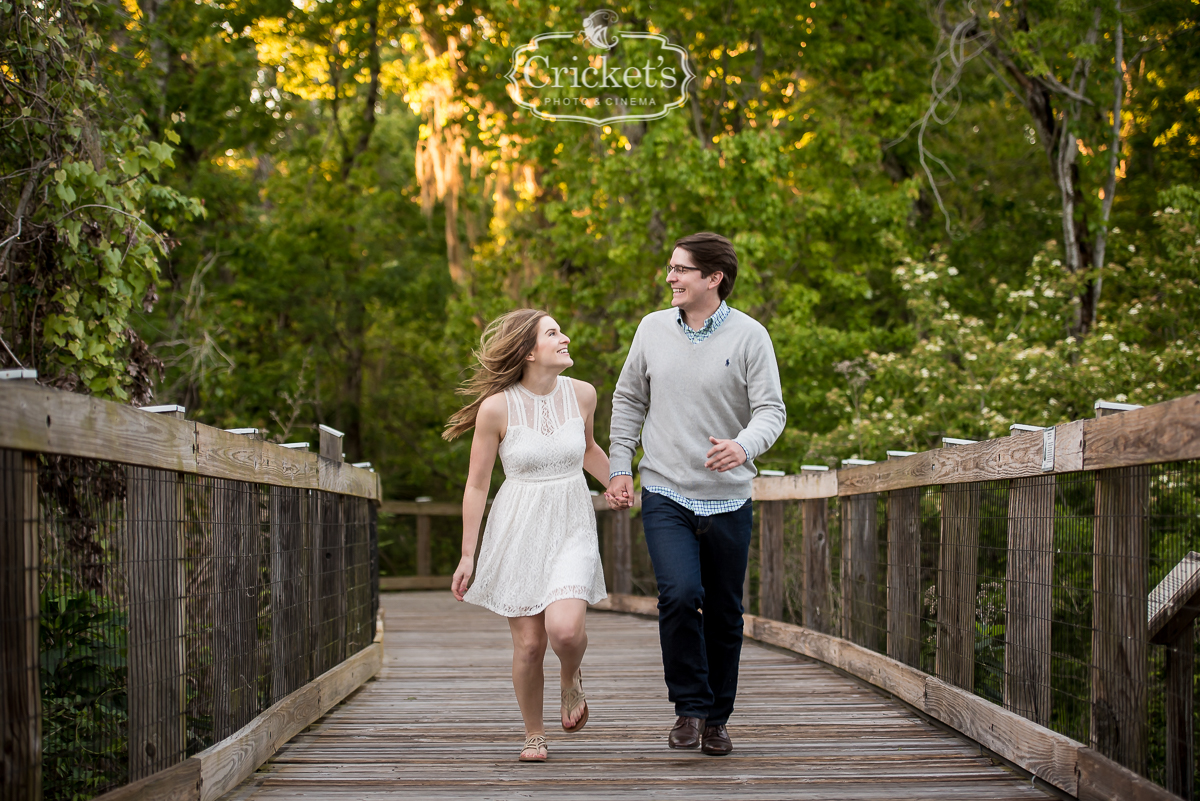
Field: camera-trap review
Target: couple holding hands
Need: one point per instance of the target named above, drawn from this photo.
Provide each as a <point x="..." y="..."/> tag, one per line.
<point x="700" y="390"/>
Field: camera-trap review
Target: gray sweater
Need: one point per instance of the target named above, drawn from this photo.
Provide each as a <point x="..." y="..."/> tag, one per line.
<point x="726" y="387"/>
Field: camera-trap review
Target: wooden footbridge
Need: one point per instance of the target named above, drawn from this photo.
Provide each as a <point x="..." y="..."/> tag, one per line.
<point x="194" y="614"/>
<point x="440" y="721"/>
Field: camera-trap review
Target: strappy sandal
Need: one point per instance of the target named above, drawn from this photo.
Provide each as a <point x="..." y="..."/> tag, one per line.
<point x="537" y="744"/>
<point x="571" y="699"/>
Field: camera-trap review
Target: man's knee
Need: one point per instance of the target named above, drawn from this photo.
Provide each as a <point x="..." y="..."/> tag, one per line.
<point x="687" y="597"/>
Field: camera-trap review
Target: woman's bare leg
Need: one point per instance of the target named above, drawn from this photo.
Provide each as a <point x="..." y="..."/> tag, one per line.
<point x="529" y="651"/>
<point x="568" y="637"/>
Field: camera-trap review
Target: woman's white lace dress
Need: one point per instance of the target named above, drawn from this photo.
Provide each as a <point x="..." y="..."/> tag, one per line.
<point x="540" y="543"/>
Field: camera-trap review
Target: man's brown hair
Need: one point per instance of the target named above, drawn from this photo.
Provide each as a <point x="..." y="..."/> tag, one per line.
<point x="712" y="253"/>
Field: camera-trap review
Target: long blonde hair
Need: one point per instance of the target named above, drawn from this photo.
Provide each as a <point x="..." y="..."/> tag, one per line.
<point x="500" y="363"/>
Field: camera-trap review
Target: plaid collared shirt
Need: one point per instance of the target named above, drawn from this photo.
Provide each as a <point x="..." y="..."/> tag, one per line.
<point x="706" y="330"/>
<point x="699" y="506"/>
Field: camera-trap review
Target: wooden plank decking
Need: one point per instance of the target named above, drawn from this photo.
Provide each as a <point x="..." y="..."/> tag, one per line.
<point x="440" y="721"/>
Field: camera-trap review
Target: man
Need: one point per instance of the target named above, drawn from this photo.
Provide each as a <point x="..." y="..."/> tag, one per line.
<point x="700" y="388"/>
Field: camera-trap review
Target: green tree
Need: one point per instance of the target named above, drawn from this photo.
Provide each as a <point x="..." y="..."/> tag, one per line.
<point x="84" y="213"/>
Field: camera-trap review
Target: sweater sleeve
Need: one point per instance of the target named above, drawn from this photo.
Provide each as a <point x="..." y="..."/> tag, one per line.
<point x="768" y="414"/>
<point x="631" y="400"/>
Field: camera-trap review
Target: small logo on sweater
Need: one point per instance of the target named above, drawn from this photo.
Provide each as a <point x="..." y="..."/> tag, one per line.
<point x="727" y="362"/>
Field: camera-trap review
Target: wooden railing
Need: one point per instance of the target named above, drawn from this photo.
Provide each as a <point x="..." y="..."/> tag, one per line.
<point x="177" y="600"/>
<point x="1084" y="628"/>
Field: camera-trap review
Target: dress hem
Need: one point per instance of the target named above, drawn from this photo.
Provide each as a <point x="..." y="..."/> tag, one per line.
<point x="537" y="610"/>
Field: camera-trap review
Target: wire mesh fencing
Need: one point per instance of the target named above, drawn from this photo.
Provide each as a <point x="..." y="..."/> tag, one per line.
<point x="171" y="609"/>
<point x="1068" y="599"/>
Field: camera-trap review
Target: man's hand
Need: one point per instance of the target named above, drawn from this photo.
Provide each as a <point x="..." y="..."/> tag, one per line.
<point x="725" y="454"/>
<point x="458" y="585"/>
<point x="619" y="493"/>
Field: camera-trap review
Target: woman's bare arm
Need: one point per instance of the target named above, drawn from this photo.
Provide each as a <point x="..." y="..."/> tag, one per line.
<point x="490" y="427"/>
<point x="595" y="460"/>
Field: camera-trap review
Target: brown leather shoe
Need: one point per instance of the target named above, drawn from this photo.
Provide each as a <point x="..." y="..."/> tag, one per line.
<point x="686" y="733"/>
<point x="716" y="741"/>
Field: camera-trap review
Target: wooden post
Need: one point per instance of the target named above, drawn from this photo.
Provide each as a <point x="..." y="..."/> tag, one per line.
<point x="332" y="579"/>
<point x="606" y="548"/>
<point x="1172" y="610"/>
<point x="860" y="557"/>
<point x="818" y="606"/>
<point x="904" y="576"/>
<point x="424" y="543"/>
<point x="356" y="575"/>
<point x="1119" y="624"/>
<point x="312" y="541"/>
<point x="958" y="566"/>
<point x="20" y="704"/>
<point x="154" y="572"/>
<point x="235" y="515"/>
<point x="331" y="442"/>
<point x="1180" y="671"/>
<point x="424" y="548"/>
<point x="279" y="622"/>
<point x="770" y="548"/>
<point x="289" y="592"/>
<point x="1028" y="588"/>
<point x="622" y="552"/>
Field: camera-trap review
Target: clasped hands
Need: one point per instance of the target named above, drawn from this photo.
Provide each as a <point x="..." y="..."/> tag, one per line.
<point x="725" y="454"/>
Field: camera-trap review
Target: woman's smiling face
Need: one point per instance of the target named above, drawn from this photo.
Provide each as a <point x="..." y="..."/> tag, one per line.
<point x="550" y="349"/>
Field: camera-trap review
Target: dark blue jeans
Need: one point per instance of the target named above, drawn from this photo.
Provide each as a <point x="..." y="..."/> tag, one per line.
<point x="700" y="563"/>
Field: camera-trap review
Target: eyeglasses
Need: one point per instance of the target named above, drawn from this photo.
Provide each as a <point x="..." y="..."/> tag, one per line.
<point x="680" y="271"/>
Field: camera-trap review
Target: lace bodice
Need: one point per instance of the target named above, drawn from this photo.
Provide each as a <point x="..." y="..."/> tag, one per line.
<point x="545" y="437"/>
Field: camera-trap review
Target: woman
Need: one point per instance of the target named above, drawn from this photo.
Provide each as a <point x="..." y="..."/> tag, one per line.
<point x="540" y="564"/>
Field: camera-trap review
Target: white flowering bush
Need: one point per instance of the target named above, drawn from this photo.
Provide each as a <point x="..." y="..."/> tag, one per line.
<point x="972" y="378"/>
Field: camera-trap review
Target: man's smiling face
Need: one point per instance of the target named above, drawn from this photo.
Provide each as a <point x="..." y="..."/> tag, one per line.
<point x="689" y="289"/>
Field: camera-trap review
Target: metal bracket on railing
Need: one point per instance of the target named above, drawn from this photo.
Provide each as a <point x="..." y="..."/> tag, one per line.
<point x="1047" y="449"/>
<point x="1102" y="406"/>
<point x="172" y="409"/>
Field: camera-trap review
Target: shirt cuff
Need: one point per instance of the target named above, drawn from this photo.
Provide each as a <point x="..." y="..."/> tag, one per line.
<point x="745" y="450"/>
<point x="620" y="473"/>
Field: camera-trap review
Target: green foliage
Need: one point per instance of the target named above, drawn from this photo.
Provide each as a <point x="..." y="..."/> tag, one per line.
<point x="372" y="197"/>
<point x="973" y="377"/>
<point x="84" y="714"/>
<point x="81" y="191"/>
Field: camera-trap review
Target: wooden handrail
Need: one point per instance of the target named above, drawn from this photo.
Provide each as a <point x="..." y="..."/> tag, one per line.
<point x="1164" y="432"/>
<point x="37" y="419"/>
